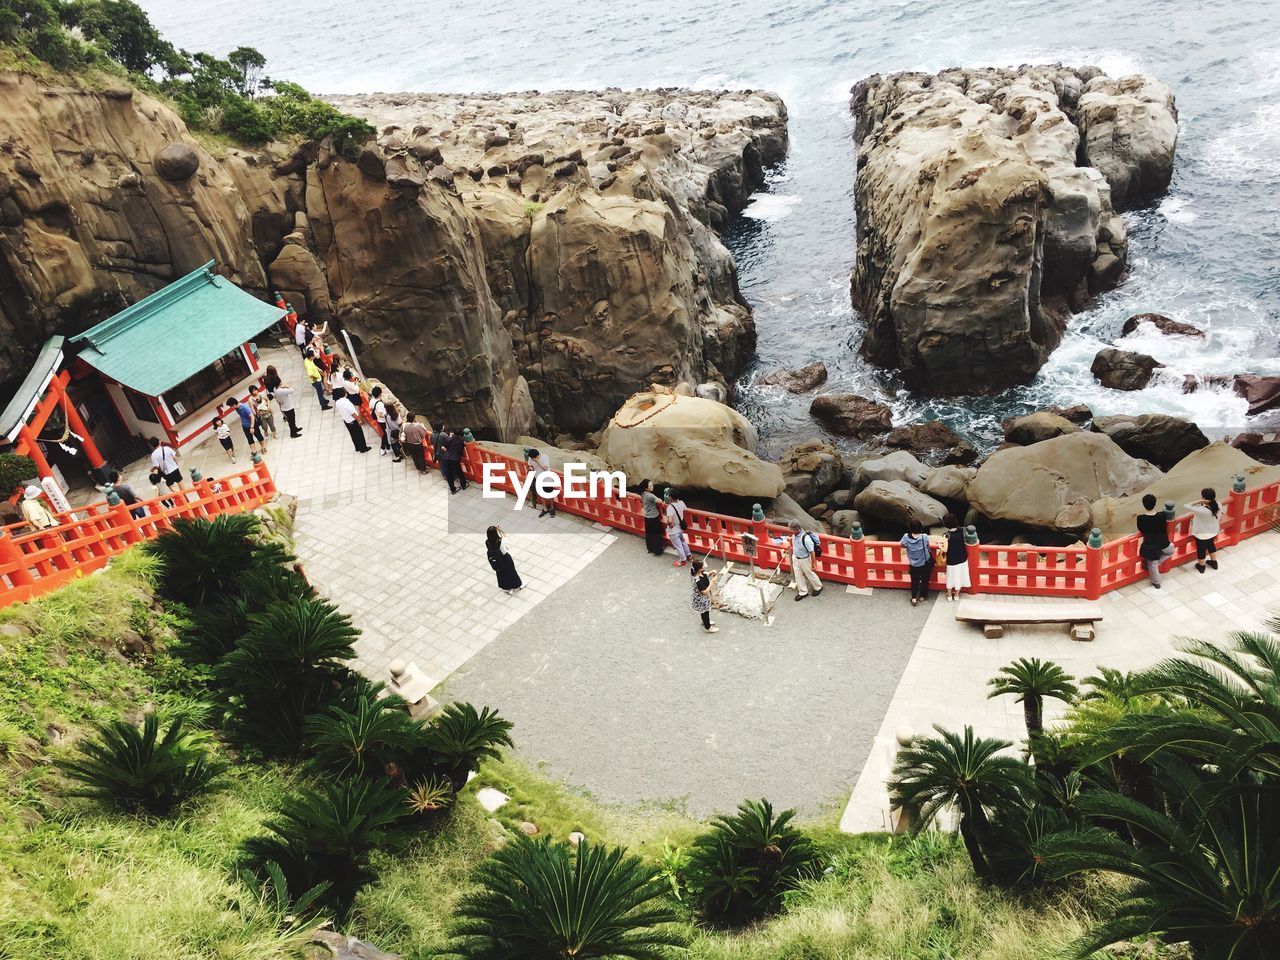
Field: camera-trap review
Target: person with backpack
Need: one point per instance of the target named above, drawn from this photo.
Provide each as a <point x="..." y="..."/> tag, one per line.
<point x="676" y="526"/>
<point x="805" y="545"/>
<point x="164" y="462"/>
<point x="1205" y="527"/>
<point x="391" y="431"/>
<point x="919" y="561"/>
<point x="1155" y="547"/>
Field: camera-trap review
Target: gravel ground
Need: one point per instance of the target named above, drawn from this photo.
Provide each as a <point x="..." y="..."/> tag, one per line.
<point x="614" y="688"/>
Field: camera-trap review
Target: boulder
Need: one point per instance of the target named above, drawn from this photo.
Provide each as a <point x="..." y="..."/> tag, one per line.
<point x="1124" y="369"/>
<point x="1263" y="393"/>
<point x="1129" y="130"/>
<point x="1035" y="427"/>
<point x="176" y="162"/>
<point x="897" y="502"/>
<point x="811" y="470"/>
<point x="557" y="457"/>
<point x="898" y="465"/>
<point x="1192" y="382"/>
<point x="1166" y="325"/>
<point x="948" y="483"/>
<point x="1079" y="413"/>
<point x="691" y="443"/>
<point x="1265" y="448"/>
<point x="842" y="522"/>
<point x="851" y="415"/>
<point x="1158" y="437"/>
<point x="798" y="380"/>
<point x="1042" y="485"/>
<point x="783" y="510"/>
<point x="1213" y="466"/>
<point x="931" y="441"/>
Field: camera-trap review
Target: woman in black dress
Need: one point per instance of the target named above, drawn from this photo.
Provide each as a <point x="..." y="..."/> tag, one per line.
<point x="655" y="539"/>
<point x="501" y="562"/>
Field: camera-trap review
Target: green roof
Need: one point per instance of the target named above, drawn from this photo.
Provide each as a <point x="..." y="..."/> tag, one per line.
<point x="160" y="341"/>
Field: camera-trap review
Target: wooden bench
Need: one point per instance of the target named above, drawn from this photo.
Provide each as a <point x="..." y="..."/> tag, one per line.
<point x="1080" y="615"/>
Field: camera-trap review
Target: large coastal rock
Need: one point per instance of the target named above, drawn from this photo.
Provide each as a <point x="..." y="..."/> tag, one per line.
<point x="1050" y="485"/>
<point x="812" y="470"/>
<point x="1124" y="369"/>
<point x="1158" y="437"/>
<point x="598" y="215"/>
<point x="897" y="502"/>
<point x="690" y="443"/>
<point x="851" y="415"/>
<point x="979" y="229"/>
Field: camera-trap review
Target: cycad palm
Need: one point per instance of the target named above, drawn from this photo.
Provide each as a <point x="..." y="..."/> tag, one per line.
<point x="363" y="739"/>
<point x="537" y="900"/>
<point x="461" y="737"/>
<point x="964" y="771"/>
<point x="205" y="560"/>
<point x="1031" y="681"/>
<point x="141" y="769"/>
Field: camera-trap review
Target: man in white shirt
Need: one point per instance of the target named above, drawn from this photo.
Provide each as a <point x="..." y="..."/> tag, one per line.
<point x="379" y="409"/>
<point x="351" y="420"/>
<point x="300" y="335"/>
<point x="285" y="399"/>
<point x="165" y="459"/>
<point x="674" y="517"/>
<point x="803" y="546"/>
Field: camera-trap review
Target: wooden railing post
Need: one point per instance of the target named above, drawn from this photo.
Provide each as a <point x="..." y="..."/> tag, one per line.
<point x="470" y="465"/>
<point x="120" y="511"/>
<point x="11" y="555"/>
<point x="973" y="550"/>
<point x="859" y="555"/>
<point x="1093" y="565"/>
<point x="1235" y="512"/>
<point x="264" y="477"/>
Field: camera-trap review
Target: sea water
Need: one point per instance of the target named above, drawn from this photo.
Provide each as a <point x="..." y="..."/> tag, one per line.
<point x="1206" y="254"/>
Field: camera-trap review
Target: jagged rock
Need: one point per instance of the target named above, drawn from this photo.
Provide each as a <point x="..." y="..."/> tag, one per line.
<point x="299" y="276"/>
<point x="811" y="470"/>
<point x="978" y="230"/>
<point x="1079" y="413"/>
<point x="948" y="482"/>
<point x="690" y="443"/>
<point x="1166" y="325"/>
<point x="711" y="391"/>
<point x="1041" y="485"/>
<point x="932" y="441"/>
<point x="1124" y="369"/>
<point x="783" y="510"/>
<point x="1162" y="439"/>
<point x="800" y="380"/>
<point x="1035" y="427"/>
<point x="1129" y="130"/>
<point x="851" y="415"/>
<point x="1263" y="393"/>
<point x="898" y="465"/>
<point x="842" y="522"/>
<point x="1213" y="466"/>
<point x="1265" y="448"/>
<point x="176" y="162"/>
<point x="897" y="502"/>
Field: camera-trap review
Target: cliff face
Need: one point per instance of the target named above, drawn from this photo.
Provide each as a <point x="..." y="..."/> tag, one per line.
<point x="476" y="286"/>
<point x="987" y="212"/>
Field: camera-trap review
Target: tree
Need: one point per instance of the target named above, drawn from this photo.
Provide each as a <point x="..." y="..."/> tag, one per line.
<point x="142" y="770"/>
<point x="250" y="63"/>
<point x="207" y="561"/>
<point x="740" y="868"/>
<point x="966" y="772"/>
<point x="461" y="737"/>
<point x="124" y="32"/>
<point x="1031" y="681"/>
<point x="363" y="740"/>
<point x="537" y="900"/>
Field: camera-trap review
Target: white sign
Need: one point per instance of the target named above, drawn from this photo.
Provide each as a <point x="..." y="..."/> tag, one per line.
<point x="55" y="494"/>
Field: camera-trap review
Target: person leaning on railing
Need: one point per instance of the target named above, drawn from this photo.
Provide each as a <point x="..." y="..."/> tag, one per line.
<point x="34" y="511"/>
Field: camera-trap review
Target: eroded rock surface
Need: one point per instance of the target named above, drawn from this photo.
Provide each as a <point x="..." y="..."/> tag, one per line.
<point x="987" y="207"/>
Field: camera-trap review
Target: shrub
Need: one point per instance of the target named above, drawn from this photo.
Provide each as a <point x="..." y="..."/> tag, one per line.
<point x="140" y="770"/>
<point x="324" y="837"/>
<point x="14" y="469"/>
<point x="204" y="561"/>
<point x="536" y="898"/>
<point x="293" y="111"/>
<point x="461" y="737"/>
<point x="244" y="120"/>
<point x="364" y="740"/>
<point x="740" y="868"/>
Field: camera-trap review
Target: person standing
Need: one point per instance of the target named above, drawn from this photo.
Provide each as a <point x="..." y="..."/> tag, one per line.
<point x="501" y="562"/>
<point x="1155" y="547"/>
<point x="287" y="401"/>
<point x="128" y="496"/>
<point x="804" y="546"/>
<point x="957" y="554"/>
<point x="34" y="510"/>
<point x="379" y="410"/>
<point x="451" y="459"/>
<point x="413" y="436"/>
<point x="164" y="460"/>
<point x="919" y="561"/>
<point x="222" y="431"/>
<point x="351" y="420"/>
<point x="538" y="464"/>
<point x="338" y="384"/>
<point x="650" y="507"/>
<point x="1205" y="527"/>
<point x="301" y="335"/>
<point x="248" y="421"/>
<point x="316" y="378"/>
<point x="271" y="380"/>
<point x="392" y="428"/>
<point x="674" y="516"/>
<point x="266" y="416"/>
<point x="437" y="442"/>
<point x="701" y="601"/>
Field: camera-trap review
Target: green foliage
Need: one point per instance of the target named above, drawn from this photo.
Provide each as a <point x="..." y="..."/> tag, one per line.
<point x="203" y="561"/>
<point x="123" y="31"/>
<point x="538" y="899"/>
<point x="1031" y="681"/>
<point x="324" y="836"/>
<point x="741" y="867"/>
<point x="36" y="26"/>
<point x="363" y="739"/>
<point x="294" y="112"/>
<point x="141" y="770"/>
<point x="14" y="469"/>
<point x="532" y="208"/>
<point x="245" y="120"/>
<point x="461" y="737"/>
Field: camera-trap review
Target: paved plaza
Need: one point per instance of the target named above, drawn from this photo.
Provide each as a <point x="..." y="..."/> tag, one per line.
<point x="610" y="681"/>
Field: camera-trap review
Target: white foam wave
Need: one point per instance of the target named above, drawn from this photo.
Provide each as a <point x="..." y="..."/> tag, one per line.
<point x="1177" y="210"/>
<point x="769" y="206"/>
<point x="1248" y="150"/>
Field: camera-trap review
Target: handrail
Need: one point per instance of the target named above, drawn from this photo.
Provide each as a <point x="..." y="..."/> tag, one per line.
<point x="84" y="539"/>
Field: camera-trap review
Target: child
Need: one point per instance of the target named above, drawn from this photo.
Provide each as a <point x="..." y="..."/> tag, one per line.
<point x="224" y="437"/>
<point x="162" y="489"/>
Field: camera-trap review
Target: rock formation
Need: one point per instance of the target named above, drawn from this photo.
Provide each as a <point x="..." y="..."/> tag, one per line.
<point x="1035" y="427"/>
<point x="851" y="415"/>
<point x="597" y="215"/>
<point x="1124" y="369"/>
<point x="496" y="259"/>
<point x="800" y="380"/>
<point x="1166" y="325"/>
<point x="1158" y="437"/>
<point x="987" y="208"/>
